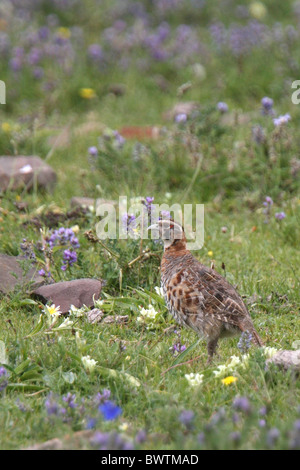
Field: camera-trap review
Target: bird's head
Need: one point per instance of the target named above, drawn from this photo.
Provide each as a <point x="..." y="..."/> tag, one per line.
<point x="170" y="232"/>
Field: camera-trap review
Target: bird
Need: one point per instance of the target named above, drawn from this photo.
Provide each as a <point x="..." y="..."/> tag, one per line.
<point x="197" y="296"/>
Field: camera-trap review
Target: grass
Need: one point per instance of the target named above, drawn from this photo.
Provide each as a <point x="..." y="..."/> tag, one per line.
<point x="212" y="159"/>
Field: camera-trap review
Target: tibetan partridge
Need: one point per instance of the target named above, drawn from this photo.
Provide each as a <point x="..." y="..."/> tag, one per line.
<point x="197" y="296"/>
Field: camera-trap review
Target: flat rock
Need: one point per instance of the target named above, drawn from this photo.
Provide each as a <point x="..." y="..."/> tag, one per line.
<point x="78" y="440"/>
<point x="286" y="360"/>
<point x="11" y="274"/>
<point x="24" y="172"/>
<point x="184" y="107"/>
<point x="95" y="316"/>
<point x="78" y="292"/>
<point x="87" y="202"/>
<point x="120" y="319"/>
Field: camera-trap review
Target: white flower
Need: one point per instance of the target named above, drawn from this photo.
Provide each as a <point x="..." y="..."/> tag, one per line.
<point x="245" y="361"/>
<point x="147" y="313"/>
<point x="98" y="303"/>
<point x="77" y="312"/>
<point x="222" y="370"/>
<point x="269" y="352"/>
<point x="194" y="380"/>
<point x="65" y="324"/>
<point x="52" y="312"/>
<point x="75" y="228"/>
<point x="124" y="427"/>
<point x="159" y="291"/>
<point x="79" y="342"/>
<point x="88" y="363"/>
<point x="235" y="361"/>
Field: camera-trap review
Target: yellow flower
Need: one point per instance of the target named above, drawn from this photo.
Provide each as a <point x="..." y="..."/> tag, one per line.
<point x="75" y="228"/>
<point x="229" y="380"/>
<point x="6" y="127"/>
<point x="52" y="310"/>
<point x="210" y="254"/>
<point x="258" y="10"/>
<point x="64" y="33"/>
<point x="87" y="93"/>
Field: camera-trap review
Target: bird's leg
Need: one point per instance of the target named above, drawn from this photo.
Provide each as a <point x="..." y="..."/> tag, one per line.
<point x="211" y="349"/>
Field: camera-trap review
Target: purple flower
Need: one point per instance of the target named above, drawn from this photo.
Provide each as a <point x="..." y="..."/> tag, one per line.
<point x="181" y="117"/>
<point x="282" y="120"/>
<point x="272" y="437"/>
<point x="42" y="272"/>
<point x="242" y="404"/>
<point x="258" y="134"/>
<point x="222" y="107"/>
<point x="70" y="400"/>
<point x="235" y="437"/>
<point x="280" y="215"/>
<point x="263" y="411"/>
<point x="177" y="347"/>
<point x="102" y="397"/>
<point x="129" y="222"/>
<point x="269" y="200"/>
<point x="93" y="151"/>
<point x="3" y="372"/>
<point x="91" y="423"/>
<point x="119" y="140"/>
<point x="141" y="437"/>
<point x="186" y="417"/>
<point x="110" y="410"/>
<point x="52" y="407"/>
<point x="38" y="73"/>
<point x="245" y="342"/>
<point x="267" y="105"/>
<point x="95" y="53"/>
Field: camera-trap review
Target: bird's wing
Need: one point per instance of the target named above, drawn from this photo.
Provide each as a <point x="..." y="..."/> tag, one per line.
<point x="198" y="288"/>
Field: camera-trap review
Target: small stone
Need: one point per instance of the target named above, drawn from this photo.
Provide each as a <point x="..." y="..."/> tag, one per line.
<point x="185" y="107"/>
<point x="25" y="172"/>
<point x="117" y="89"/>
<point x="12" y="275"/>
<point x="95" y="316"/>
<point x="286" y="360"/>
<point x="78" y="292"/>
<point x="88" y="202"/>
<point x="121" y="319"/>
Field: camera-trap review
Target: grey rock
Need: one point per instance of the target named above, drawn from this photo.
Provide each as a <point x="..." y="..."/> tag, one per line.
<point x="95" y="316"/>
<point x="121" y="319"/>
<point x="25" y="172"/>
<point x="78" y="292"/>
<point x="76" y="441"/>
<point x="185" y="107"/>
<point x="286" y="360"/>
<point x="86" y="202"/>
<point x="12" y="274"/>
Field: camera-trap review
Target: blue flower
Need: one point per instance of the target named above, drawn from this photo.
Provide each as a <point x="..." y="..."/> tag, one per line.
<point x="109" y="410"/>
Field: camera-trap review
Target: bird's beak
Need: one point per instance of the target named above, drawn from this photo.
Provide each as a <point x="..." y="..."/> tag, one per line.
<point x="153" y="227"/>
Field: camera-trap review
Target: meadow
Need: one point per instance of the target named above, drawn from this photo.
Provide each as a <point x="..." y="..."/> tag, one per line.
<point x="164" y="101"/>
